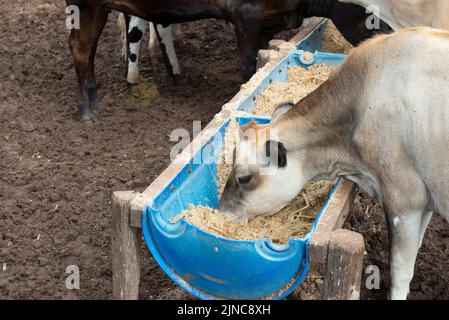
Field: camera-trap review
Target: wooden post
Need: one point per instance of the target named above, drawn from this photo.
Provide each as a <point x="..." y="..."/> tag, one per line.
<point x="332" y="219"/>
<point x="126" y="242"/>
<point x="344" y="266"/>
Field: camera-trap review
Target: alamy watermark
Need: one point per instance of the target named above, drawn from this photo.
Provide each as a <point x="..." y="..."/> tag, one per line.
<point x="73" y="17"/>
<point x="373" y="20"/>
<point x="72" y="282"/>
<point x="73" y="20"/>
<point x="245" y="146"/>
<point x="372" y="281"/>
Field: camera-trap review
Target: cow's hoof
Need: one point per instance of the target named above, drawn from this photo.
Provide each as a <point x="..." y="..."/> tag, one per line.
<point x="129" y="88"/>
<point x="87" y="117"/>
<point x="177" y="78"/>
<point x="96" y="98"/>
<point x="103" y="103"/>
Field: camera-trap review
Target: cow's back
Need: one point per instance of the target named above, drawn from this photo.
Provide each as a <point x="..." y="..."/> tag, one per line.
<point x="410" y="13"/>
<point x="404" y="108"/>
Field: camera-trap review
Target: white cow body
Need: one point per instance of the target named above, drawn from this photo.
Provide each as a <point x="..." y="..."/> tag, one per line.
<point x="400" y="14"/>
<point x="382" y="121"/>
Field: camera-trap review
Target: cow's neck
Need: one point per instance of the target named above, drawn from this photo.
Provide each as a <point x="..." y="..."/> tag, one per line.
<point x="320" y="128"/>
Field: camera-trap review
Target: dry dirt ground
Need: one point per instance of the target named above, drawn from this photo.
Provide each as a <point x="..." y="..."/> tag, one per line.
<point x="56" y="175"/>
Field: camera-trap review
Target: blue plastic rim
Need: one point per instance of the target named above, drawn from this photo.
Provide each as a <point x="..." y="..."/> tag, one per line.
<point x="213" y="267"/>
<point x="280" y="72"/>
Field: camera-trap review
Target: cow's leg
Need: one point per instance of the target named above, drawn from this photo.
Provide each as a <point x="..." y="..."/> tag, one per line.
<point x="405" y="237"/>
<point x="136" y="31"/>
<point x="165" y="36"/>
<point x="123" y="21"/>
<point x="427" y="216"/>
<point x="407" y="219"/>
<point x="250" y="38"/>
<point x="83" y="44"/>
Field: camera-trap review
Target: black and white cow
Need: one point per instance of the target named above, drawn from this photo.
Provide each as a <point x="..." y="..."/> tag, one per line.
<point x="161" y="40"/>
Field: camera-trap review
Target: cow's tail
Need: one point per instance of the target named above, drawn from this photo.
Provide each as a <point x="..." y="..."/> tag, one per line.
<point x="123" y="33"/>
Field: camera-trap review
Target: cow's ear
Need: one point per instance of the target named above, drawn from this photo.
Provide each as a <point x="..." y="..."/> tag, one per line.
<point x="276" y="152"/>
<point x="281" y="110"/>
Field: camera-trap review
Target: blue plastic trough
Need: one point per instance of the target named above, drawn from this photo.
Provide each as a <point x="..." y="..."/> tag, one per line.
<point x="212" y="267"/>
<point x="279" y="73"/>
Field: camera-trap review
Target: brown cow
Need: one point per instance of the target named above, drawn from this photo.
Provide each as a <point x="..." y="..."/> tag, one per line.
<point x="255" y="22"/>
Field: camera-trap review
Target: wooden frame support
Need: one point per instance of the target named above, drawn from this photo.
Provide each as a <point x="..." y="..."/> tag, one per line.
<point x="126" y="246"/>
<point x="332" y="219"/>
<point x="335" y="253"/>
<point x="344" y="266"/>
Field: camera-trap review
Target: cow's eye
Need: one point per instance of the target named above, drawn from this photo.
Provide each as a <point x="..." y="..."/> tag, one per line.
<point x="245" y="179"/>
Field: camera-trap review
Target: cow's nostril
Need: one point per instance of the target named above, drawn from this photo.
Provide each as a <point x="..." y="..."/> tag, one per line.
<point x="245" y="179"/>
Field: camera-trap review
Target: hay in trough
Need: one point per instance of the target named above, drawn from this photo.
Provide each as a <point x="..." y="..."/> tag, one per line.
<point x="297" y="218"/>
<point x="294" y="221"/>
<point x="300" y="82"/>
<point x="230" y="140"/>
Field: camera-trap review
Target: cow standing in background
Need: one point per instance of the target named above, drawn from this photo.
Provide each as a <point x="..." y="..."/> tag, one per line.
<point x="161" y="41"/>
<point x="255" y="24"/>
<point x="400" y="14"/>
<point x="347" y="17"/>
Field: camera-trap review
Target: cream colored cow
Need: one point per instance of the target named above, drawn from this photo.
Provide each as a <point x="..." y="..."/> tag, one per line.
<point x="381" y="121"/>
<point x="400" y="14"/>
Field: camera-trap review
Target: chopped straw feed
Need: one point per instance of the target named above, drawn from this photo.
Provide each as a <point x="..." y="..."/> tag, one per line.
<point x="231" y="138"/>
<point x="300" y="82"/>
<point x="294" y="221"/>
<point x="297" y="218"/>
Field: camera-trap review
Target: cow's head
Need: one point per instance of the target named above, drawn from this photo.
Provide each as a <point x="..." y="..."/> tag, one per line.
<point x="266" y="175"/>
